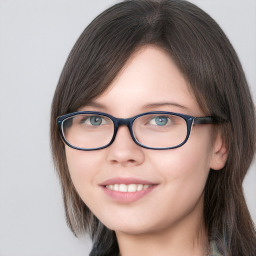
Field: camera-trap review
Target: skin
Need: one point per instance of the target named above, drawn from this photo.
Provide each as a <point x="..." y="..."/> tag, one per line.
<point x="169" y="219"/>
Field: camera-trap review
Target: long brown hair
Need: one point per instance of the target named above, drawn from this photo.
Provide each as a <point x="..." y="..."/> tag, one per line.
<point x="208" y="61"/>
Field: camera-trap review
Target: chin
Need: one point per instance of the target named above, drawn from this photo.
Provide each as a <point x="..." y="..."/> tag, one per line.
<point x="132" y="227"/>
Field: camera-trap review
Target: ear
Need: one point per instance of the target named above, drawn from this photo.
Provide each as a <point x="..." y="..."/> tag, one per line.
<point x="219" y="153"/>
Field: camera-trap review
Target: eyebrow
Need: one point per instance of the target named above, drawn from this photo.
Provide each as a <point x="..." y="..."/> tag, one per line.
<point x="146" y="106"/>
<point x="94" y="104"/>
<point x="162" y="104"/>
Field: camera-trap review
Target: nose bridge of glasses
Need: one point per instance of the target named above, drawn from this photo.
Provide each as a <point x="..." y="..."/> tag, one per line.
<point x="124" y="122"/>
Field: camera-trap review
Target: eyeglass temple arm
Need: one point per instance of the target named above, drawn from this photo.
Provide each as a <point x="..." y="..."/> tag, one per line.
<point x="207" y="120"/>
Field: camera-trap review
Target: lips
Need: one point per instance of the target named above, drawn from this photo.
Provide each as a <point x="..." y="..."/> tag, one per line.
<point x="126" y="181"/>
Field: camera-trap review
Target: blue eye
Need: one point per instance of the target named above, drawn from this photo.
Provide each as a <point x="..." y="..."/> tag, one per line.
<point x="160" y="120"/>
<point x="95" y="120"/>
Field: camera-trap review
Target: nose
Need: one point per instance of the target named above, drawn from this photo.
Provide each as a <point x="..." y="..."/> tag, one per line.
<point x="124" y="150"/>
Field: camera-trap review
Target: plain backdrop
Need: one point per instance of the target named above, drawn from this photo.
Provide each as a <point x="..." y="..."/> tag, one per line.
<point x="35" y="39"/>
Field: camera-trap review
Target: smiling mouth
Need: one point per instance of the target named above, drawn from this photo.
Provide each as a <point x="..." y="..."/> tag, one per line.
<point x="127" y="188"/>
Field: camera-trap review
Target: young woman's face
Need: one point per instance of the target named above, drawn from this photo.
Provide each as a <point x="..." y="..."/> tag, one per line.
<point x="150" y="81"/>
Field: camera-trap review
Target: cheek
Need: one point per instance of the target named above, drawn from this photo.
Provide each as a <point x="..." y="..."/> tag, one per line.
<point x="184" y="170"/>
<point x="83" y="167"/>
<point x="192" y="159"/>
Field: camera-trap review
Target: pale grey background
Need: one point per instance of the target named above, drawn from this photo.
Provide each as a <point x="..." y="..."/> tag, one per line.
<point x="35" y="39"/>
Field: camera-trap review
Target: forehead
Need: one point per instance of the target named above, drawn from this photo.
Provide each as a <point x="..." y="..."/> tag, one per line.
<point x="149" y="78"/>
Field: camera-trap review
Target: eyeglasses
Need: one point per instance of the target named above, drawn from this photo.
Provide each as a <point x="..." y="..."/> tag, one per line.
<point x="90" y="130"/>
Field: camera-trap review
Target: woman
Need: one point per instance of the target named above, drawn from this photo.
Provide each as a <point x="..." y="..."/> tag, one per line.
<point x="155" y="132"/>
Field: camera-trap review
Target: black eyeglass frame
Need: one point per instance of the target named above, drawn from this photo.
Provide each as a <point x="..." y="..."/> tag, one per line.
<point x="190" y="121"/>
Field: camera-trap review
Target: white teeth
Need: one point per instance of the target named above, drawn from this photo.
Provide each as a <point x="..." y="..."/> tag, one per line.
<point x="127" y="188"/>
<point x="132" y="188"/>
<point x="139" y="187"/>
<point x="123" y="188"/>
